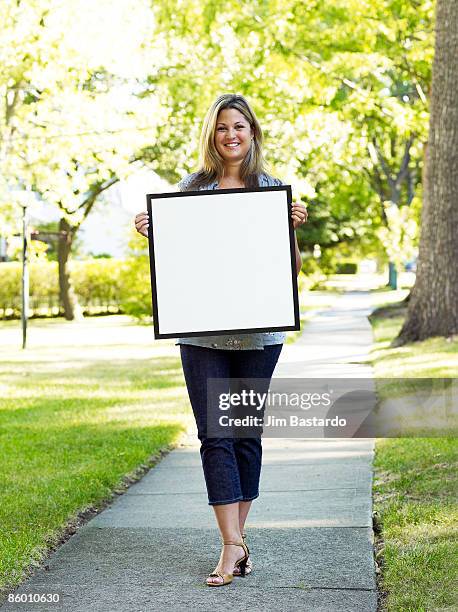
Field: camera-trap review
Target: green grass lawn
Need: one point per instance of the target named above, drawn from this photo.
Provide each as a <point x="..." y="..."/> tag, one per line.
<point x="84" y="411"/>
<point x="415" y="487"/>
<point x="88" y="407"/>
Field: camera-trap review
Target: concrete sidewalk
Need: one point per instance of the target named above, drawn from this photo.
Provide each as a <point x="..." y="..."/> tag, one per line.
<point x="310" y="531"/>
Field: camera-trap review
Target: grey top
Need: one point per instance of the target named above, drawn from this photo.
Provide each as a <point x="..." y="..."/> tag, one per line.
<point x="239" y="341"/>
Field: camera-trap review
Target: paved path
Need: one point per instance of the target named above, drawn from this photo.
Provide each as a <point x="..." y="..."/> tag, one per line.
<point x="310" y="531"/>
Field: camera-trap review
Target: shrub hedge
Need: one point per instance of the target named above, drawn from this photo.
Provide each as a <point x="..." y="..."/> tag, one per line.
<point x="102" y="285"/>
<point x="346" y="267"/>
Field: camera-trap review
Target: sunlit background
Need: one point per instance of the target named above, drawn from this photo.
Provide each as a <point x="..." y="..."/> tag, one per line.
<point x="100" y="92"/>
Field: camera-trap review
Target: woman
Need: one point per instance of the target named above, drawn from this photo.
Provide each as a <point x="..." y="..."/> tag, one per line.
<point x="231" y="157"/>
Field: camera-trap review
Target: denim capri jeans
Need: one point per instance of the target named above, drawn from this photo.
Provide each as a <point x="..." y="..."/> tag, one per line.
<point x="232" y="466"/>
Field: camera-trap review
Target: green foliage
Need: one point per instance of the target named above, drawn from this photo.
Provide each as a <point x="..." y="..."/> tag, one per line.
<point x="136" y="287"/>
<point x="99" y="285"/>
<point x="71" y="122"/>
<point x="10" y="288"/>
<point x="400" y="233"/>
<point x="48" y="232"/>
<point x="340" y="88"/>
<point x="346" y="267"/>
<point x="37" y="249"/>
<point x="311" y="275"/>
<point x="44" y="288"/>
<point x="135" y="279"/>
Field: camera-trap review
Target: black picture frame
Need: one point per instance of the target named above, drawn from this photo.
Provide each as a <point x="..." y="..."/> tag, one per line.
<point x="184" y="194"/>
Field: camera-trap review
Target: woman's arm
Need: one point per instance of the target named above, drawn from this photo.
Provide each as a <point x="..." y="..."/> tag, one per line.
<point x="298" y="256"/>
<point x="299" y="216"/>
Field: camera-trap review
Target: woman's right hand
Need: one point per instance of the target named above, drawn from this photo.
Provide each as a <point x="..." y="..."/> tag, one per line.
<point x="142" y="223"/>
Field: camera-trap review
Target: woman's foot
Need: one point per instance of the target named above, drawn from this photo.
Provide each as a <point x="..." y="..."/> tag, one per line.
<point x="248" y="570"/>
<point x="230" y="555"/>
<point x="249" y="563"/>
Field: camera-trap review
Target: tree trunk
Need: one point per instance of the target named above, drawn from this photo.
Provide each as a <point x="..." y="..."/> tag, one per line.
<point x="69" y="301"/>
<point x="433" y="305"/>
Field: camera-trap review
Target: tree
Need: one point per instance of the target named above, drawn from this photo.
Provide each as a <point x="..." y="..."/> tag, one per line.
<point x="340" y="88"/>
<point x="72" y="122"/>
<point x="432" y="309"/>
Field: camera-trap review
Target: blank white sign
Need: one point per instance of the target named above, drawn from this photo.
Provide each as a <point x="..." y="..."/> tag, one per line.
<point x="222" y="262"/>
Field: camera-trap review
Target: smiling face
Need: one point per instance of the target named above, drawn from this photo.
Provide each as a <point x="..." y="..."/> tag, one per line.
<point x="232" y="135"/>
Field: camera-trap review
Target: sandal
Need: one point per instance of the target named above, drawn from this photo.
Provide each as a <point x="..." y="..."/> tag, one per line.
<point x="240" y="564"/>
<point x="249" y="562"/>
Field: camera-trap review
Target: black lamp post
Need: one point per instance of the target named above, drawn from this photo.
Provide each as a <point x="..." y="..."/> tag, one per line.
<point x="25" y="275"/>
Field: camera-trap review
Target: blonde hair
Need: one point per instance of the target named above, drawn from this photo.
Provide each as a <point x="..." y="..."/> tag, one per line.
<point x="211" y="164"/>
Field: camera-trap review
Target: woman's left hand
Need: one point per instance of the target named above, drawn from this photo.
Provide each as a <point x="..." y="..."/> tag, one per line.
<point x="298" y="214"/>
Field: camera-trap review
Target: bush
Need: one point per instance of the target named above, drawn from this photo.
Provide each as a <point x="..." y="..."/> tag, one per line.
<point x="136" y="278"/>
<point x="311" y="275"/>
<point x="98" y="284"/>
<point x="136" y="287"/>
<point x="10" y="289"/>
<point x="44" y="288"/>
<point x="346" y="267"/>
